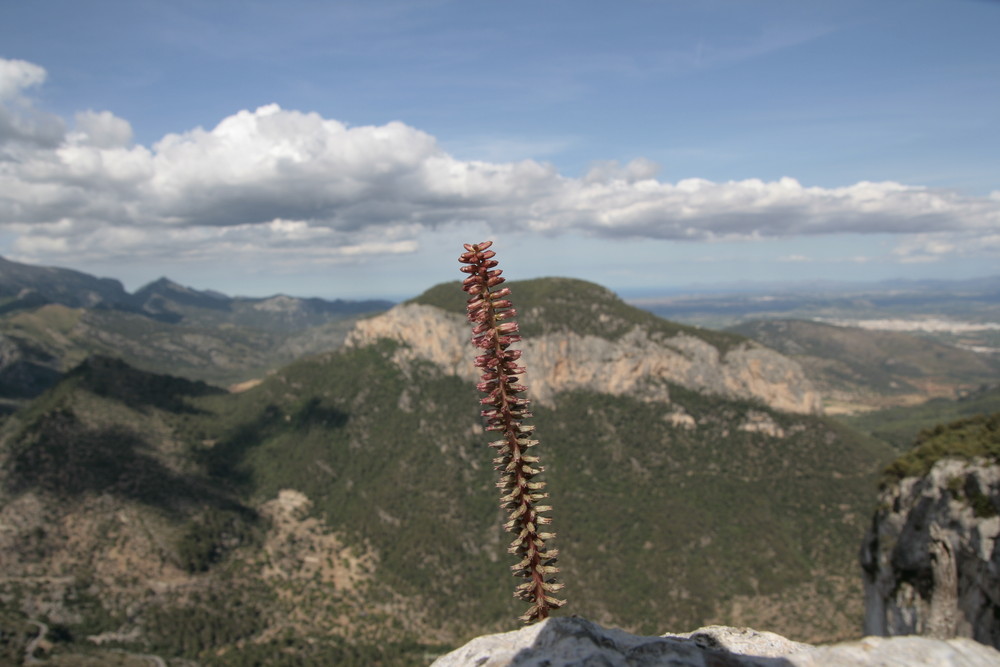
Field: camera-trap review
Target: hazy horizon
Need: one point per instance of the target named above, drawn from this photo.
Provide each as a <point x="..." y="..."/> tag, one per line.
<point x="632" y="294"/>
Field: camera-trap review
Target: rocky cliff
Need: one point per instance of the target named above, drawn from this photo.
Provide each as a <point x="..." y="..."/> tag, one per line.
<point x="639" y="362"/>
<point x="932" y="559"/>
<point x="574" y="642"/>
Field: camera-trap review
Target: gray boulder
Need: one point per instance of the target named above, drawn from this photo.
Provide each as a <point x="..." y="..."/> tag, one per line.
<point x="931" y="559"/>
<point x="577" y="642"/>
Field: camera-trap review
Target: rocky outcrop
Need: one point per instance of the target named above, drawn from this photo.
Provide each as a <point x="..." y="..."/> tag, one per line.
<point x="932" y="559"/>
<point x="575" y="642"/>
<point x="636" y="363"/>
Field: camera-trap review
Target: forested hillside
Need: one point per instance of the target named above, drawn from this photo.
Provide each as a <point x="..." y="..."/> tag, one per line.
<point x="346" y="507"/>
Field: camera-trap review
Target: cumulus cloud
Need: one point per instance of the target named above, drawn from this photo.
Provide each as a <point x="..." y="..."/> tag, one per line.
<point x="20" y="123"/>
<point x="286" y="183"/>
<point x="18" y="75"/>
<point x="101" y="129"/>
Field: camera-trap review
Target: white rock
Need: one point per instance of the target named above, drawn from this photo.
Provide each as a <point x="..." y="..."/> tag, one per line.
<point x="634" y="364"/>
<point x="577" y="642"/>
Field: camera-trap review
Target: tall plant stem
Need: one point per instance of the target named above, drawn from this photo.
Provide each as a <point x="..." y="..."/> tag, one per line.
<point x="493" y="332"/>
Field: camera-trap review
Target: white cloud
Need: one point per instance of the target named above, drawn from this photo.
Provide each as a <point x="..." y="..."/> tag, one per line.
<point x="20" y="123"/>
<point x="102" y="130"/>
<point x="18" y="75"/>
<point x="276" y="182"/>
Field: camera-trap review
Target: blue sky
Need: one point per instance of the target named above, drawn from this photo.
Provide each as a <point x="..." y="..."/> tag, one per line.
<point x="350" y="148"/>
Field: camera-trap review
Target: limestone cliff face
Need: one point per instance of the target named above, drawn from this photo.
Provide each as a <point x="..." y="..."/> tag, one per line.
<point x="635" y="363"/>
<point x="932" y="559"/>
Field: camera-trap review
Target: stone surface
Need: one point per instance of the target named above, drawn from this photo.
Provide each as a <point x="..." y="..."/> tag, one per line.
<point x="577" y="642"/>
<point x="931" y="558"/>
<point x="633" y="364"/>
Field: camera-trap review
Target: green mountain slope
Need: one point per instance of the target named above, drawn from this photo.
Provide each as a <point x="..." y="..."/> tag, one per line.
<point x="660" y="525"/>
<point x="900" y="426"/>
<point x="550" y="305"/>
<point x="39" y="344"/>
<point x="348" y="503"/>
<point x="969" y="438"/>
<point x="120" y="533"/>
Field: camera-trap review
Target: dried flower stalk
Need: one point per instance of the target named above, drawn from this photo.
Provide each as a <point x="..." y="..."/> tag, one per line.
<point x="493" y="331"/>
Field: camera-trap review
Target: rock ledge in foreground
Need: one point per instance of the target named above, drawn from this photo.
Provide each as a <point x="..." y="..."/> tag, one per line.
<point x="577" y="642"/>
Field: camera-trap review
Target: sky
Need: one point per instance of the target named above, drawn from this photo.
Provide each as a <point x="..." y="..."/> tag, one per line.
<point x="349" y="149"/>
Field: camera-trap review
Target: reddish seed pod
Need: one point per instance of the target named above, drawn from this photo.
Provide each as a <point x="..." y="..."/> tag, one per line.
<point x="505" y="408"/>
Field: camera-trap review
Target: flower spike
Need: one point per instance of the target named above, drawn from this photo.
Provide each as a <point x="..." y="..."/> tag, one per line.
<point x="493" y="331"/>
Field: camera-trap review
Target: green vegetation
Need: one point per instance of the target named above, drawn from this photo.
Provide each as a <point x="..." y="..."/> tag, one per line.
<point x="65" y="458"/>
<point x="207" y="621"/>
<point x="735" y="507"/>
<point x="900" y="426"/>
<point x="661" y="523"/>
<point x="206" y="539"/>
<point x="968" y="438"/>
<point x="329" y="651"/>
<point x="220" y="346"/>
<point x="553" y="305"/>
<point x="363" y="453"/>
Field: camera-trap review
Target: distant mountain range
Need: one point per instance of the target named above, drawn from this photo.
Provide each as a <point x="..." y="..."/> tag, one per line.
<point x="960" y="300"/>
<point x="859" y="370"/>
<point x="51" y="319"/>
<point x="29" y="286"/>
<point x="24" y="286"/>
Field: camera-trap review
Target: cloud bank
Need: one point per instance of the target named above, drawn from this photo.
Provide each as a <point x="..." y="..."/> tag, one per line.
<point x="284" y="183"/>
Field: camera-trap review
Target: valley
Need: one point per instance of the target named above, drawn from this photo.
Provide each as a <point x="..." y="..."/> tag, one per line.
<point x="341" y="509"/>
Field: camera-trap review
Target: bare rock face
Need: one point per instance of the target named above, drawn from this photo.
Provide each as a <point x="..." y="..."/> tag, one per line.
<point x="932" y="558"/>
<point x="635" y="363"/>
<point x="576" y="642"/>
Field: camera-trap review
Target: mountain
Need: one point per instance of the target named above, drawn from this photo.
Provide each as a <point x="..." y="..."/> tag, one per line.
<point x="27" y="286"/>
<point x="860" y="369"/>
<point x="119" y="531"/>
<point x="345" y="507"/>
<point x="166" y="300"/>
<point x="581" y="336"/>
<point x="54" y="318"/>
